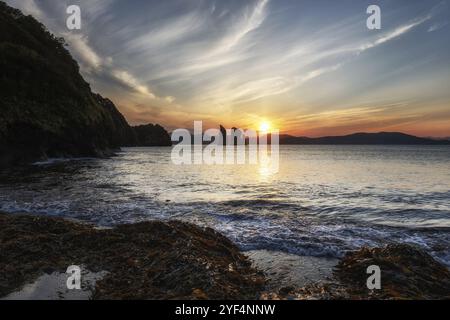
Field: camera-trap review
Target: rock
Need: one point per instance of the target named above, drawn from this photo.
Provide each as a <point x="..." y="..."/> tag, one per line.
<point x="46" y="108"/>
<point x="176" y="260"/>
<point x="152" y="135"/>
<point x="407" y="272"/>
<point x="122" y="133"/>
<point x="149" y="260"/>
<point x="223" y="131"/>
<point x="236" y="132"/>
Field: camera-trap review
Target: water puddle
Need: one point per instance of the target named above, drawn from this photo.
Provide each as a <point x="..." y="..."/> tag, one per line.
<point x="53" y="287"/>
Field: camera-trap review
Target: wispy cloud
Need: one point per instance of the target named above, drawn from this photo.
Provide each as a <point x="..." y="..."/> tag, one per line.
<point x="247" y="21"/>
<point x="92" y="63"/>
<point x="86" y="55"/>
<point x="437" y="26"/>
<point x="30" y="7"/>
<point x="211" y="59"/>
<point x="394" y="34"/>
<point x="274" y="85"/>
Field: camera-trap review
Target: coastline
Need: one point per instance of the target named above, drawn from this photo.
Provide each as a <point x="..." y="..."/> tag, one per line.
<point x="177" y="260"/>
<point x="149" y="260"/>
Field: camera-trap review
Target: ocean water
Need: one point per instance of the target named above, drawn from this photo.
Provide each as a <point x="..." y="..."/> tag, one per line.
<point x="323" y="201"/>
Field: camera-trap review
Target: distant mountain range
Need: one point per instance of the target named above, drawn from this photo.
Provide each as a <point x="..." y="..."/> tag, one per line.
<point x="381" y="138"/>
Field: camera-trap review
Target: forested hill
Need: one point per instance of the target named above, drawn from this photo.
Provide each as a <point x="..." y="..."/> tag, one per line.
<point x="47" y="109"/>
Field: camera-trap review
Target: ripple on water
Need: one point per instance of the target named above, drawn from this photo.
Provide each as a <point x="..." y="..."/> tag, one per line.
<point x="324" y="200"/>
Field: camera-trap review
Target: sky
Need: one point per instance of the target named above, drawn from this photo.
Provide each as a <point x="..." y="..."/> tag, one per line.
<point x="307" y="67"/>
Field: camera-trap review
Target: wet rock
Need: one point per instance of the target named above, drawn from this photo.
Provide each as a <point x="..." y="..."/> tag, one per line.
<point x="407" y="272"/>
<point x="150" y="260"/>
<point x="176" y="260"/>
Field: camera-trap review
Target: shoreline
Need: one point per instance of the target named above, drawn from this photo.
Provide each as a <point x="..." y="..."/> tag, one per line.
<point x="178" y="260"/>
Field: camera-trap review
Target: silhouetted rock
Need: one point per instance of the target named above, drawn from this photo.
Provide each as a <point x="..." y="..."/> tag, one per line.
<point x="46" y="107"/>
<point x="223" y="131"/>
<point x="237" y="132"/>
<point x="381" y="138"/>
<point x="152" y="135"/>
<point x="122" y="134"/>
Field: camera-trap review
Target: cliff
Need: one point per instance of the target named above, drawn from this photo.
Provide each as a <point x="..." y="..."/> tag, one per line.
<point x="151" y="135"/>
<point x="46" y="108"/>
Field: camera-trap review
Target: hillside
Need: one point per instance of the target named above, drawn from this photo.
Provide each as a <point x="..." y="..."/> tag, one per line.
<point x="150" y="135"/>
<point x="46" y="108"/>
<point x="381" y="138"/>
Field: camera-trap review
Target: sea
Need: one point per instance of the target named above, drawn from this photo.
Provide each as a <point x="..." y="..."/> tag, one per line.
<point x="321" y="202"/>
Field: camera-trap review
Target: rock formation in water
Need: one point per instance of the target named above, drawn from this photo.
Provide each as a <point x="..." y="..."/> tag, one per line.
<point x="236" y="132"/>
<point x="223" y="131"/>
<point x="46" y="108"/>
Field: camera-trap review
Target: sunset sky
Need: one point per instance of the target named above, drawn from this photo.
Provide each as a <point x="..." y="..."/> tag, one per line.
<point x="309" y="67"/>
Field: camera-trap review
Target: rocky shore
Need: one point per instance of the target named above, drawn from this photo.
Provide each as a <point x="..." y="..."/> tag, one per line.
<point x="176" y="260"/>
<point x="48" y="110"/>
<point x="407" y="273"/>
<point x="150" y="260"/>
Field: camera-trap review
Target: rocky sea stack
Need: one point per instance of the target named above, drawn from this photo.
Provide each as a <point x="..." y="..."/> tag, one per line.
<point x="47" y="109"/>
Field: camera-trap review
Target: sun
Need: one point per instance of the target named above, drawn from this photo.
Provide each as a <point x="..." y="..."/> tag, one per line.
<point x="264" y="127"/>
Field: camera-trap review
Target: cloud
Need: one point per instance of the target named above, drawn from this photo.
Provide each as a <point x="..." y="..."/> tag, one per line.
<point x="348" y="49"/>
<point x="437" y="26"/>
<point x="132" y="82"/>
<point x="28" y="7"/>
<point x="258" y="89"/>
<point x="249" y="20"/>
<point x="169" y="32"/>
<point x="228" y="47"/>
<point x="170" y="99"/>
<point x="93" y="63"/>
<point x="317" y="73"/>
<point x="393" y="34"/>
<point x="84" y="53"/>
<point x="222" y="57"/>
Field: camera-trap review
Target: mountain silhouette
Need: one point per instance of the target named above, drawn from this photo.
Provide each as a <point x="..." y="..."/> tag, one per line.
<point x="47" y="109"/>
<point x="380" y="138"/>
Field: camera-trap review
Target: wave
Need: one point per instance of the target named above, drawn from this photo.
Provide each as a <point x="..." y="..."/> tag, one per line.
<point x="51" y="161"/>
